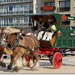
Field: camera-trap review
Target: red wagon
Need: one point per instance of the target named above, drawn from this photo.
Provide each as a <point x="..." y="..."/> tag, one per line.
<point x="47" y="47"/>
<point x="62" y="41"/>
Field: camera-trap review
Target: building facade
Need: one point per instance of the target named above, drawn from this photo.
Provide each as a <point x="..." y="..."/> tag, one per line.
<point x="65" y="7"/>
<point x="12" y="13"/>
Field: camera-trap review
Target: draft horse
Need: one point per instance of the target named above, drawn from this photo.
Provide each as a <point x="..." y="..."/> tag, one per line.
<point x="1" y="50"/>
<point x="22" y="46"/>
<point x="1" y="53"/>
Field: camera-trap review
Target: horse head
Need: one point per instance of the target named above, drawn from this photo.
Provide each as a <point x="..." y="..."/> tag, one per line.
<point x="8" y="40"/>
<point x="9" y="36"/>
<point x="3" y="40"/>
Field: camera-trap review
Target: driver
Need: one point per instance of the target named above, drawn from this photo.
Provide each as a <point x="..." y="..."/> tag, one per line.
<point x="51" y="31"/>
<point x="41" y="24"/>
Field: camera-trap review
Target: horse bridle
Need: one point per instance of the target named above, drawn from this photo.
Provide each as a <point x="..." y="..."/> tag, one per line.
<point x="15" y="42"/>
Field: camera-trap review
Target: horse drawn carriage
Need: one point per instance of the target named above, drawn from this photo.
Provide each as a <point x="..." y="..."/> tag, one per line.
<point x="62" y="41"/>
<point x="57" y="37"/>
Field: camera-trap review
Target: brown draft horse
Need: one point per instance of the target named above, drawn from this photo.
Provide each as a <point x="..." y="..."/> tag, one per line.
<point x="1" y="50"/>
<point x="1" y="53"/>
<point x="22" y="46"/>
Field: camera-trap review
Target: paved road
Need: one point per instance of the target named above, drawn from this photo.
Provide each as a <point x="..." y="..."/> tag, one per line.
<point x="68" y="66"/>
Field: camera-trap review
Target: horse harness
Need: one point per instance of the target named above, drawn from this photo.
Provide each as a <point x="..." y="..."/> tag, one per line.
<point x="16" y="44"/>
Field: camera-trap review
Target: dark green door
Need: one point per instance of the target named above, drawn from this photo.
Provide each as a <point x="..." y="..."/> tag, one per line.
<point x="64" y="38"/>
<point x="67" y="38"/>
<point x="71" y="38"/>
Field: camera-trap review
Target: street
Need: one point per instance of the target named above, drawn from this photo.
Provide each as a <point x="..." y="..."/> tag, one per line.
<point x="68" y="66"/>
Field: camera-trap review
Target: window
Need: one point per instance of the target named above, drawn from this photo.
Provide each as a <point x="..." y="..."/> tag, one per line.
<point x="67" y="22"/>
<point x="31" y="0"/>
<point x="0" y="20"/>
<point x="49" y="6"/>
<point x="22" y="20"/>
<point x="26" y="0"/>
<point x="52" y="4"/>
<point x="17" y="0"/>
<point x="5" y="0"/>
<point x="26" y="19"/>
<point x="49" y="3"/>
<point x="10" y="8"/>
<point x="64" y="5"/>
<point x="21" y="7"/>
<point x="17" y="7"/>
<point x="1" y="1"/>
<point x="26" y="7"/>
<point x="30" y="8"/>
<point x="8" y="0"/>
<point x="5" y="21"/>
<point x="10" y="20"/>
<point x="30" y="22"/>
<point x="68" y="4"/>
<point x="18" y="19"/>
<point x="1" y="9"/>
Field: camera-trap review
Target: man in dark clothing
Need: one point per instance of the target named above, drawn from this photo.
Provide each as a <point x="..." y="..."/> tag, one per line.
<point x="41" y="24"/>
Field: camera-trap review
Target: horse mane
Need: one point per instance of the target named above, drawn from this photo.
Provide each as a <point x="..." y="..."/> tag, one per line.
<point x="11" y="30"/>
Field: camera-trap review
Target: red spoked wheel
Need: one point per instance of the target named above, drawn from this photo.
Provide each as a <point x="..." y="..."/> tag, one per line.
<point x="57" y="60"/>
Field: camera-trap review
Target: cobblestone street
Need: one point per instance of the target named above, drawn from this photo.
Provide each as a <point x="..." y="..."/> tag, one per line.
<point x="68" y="66"/>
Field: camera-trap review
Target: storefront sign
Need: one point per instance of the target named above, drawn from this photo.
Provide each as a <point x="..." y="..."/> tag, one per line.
<point x="71" y="18"/>
<point x="48" y="8"/>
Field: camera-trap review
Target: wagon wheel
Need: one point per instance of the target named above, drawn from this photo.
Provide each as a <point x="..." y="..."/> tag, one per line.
<point x="57" y="60"/>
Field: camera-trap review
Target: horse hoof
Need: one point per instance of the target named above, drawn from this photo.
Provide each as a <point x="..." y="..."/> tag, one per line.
<point x="34" y="69"/>
<point x="15" y="69"/>
<point x="9" y="67"/>
<point x="2" y="64"/>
